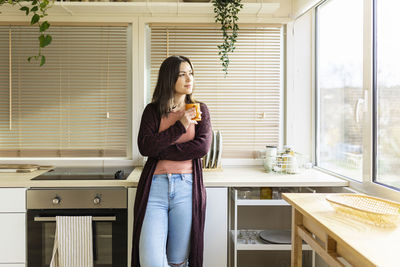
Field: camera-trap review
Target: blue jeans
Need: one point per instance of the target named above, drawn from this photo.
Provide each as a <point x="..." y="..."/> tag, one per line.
<point x="165" y="236"/>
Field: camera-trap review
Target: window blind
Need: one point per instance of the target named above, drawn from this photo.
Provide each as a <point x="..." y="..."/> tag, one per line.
<point x="244" y="106"/>
<point x="76" y="105"/>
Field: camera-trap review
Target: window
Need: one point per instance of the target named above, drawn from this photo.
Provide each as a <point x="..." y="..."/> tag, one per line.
<point x="246" y="105"/>
<point x="77" y="104"/>
<point x="340" y="87"/>
<point x="387" y="93"/>
<point x="342" y="123"/>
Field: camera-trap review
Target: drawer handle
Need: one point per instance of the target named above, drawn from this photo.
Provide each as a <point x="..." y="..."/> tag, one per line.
<point x="53" y="219"/>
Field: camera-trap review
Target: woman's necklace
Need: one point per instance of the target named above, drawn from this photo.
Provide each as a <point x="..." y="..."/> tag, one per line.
<point x="177" y="107"/>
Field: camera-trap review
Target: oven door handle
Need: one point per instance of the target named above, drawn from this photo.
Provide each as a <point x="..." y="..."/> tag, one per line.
<point x="53" y="219"/>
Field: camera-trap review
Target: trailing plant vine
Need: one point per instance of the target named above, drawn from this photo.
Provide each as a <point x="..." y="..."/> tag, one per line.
<point x="36" y="8"/>
<point x="226" y="13"/>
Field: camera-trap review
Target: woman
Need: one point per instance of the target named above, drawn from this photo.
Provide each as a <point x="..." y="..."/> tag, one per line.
<point x="171" y="199"/>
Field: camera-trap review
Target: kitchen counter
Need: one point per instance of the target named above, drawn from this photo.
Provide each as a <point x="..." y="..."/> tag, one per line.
<point x="243" y="176"/>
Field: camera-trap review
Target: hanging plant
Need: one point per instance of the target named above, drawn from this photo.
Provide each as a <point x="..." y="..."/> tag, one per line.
<point x="37" y="9"/>
<point x="226" y="13"/>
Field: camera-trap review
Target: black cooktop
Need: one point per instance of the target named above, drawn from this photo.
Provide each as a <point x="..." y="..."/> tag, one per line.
<point x="86" y="173"/>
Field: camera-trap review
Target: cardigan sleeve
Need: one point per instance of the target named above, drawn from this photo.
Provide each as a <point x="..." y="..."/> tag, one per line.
<point x="150" y="141"/>
<point x="193" y="149"/>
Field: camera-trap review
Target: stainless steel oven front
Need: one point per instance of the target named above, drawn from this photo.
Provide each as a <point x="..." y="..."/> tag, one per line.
<point x="108" y="208"/>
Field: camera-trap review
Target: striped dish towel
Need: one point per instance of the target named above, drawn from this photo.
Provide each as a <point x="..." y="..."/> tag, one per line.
<point x="73" y="242"/>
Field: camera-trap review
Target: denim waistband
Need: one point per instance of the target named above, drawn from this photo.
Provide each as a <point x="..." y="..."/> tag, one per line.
<point x="185" y="176"/>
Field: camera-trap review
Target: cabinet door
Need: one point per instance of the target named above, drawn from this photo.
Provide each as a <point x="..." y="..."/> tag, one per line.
<point x="131" y="204"/>
<point x="216" y="228"/>
<point x="12" y="241"/>
<point x="12" y="200"/>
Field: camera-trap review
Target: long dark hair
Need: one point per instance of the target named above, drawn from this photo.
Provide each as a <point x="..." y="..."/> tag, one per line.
<point x="167" y="76"/>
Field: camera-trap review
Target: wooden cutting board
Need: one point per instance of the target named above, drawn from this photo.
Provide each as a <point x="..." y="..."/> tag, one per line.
<point x="22" y="167"/>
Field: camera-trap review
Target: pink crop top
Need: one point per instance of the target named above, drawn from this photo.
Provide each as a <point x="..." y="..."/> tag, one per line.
<point x="171" y="166"/>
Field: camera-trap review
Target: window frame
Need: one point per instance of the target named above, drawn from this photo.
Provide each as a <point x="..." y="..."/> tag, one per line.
<point x="131" y="30"/>
<point x="368" y="184"/>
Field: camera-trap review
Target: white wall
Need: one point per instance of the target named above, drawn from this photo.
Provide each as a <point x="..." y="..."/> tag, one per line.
<point x="302" y="6"/>
<point x="299" y="106"/>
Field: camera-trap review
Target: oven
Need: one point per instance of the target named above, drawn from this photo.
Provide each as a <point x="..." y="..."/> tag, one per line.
<point x="108" y="208"/>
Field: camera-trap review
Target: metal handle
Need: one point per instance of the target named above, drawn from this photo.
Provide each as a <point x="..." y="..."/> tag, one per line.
<point x="53" y="219"/>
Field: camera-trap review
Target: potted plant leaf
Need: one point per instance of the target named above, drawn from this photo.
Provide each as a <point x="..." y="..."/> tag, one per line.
<point x="226" y="13"/>
<point x="37" y="10"/>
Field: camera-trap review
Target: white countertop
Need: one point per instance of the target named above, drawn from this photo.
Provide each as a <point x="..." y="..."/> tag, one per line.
<point x="243" y="176"/>
<point x="255" y="176"/>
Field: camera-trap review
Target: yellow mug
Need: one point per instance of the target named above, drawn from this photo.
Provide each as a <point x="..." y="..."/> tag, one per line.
<point x="198" y="114"/>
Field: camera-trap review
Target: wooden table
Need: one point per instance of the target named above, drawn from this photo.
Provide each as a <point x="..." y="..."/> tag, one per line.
<point x="336" y="237"/>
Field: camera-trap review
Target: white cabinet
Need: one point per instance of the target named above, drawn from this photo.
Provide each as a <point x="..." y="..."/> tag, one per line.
<point x="216" y="228"/>
<point x="12" y="241"/>
<point x="131" y="204"/>
<point x="12" y="200"/>
<point x="248" y="218"/>
<point x="12" y="227"/>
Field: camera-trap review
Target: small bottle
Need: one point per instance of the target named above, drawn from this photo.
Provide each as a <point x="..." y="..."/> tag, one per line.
<point x="271" y="151"/>
<point x="265" y="193"/>
<point x="292" y="166"/>
<point x="285" y="158"/>
<point x="288" y="150"/>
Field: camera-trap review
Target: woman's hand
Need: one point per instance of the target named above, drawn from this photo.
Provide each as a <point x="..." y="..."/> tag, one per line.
<point x="186" y="119"/>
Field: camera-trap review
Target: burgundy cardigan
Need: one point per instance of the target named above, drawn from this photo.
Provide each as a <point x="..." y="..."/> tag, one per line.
<point x="159" y="146"/>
